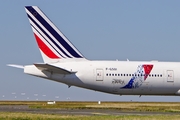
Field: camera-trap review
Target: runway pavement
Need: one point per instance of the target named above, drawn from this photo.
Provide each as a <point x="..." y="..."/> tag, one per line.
<point x="25" y="108"/>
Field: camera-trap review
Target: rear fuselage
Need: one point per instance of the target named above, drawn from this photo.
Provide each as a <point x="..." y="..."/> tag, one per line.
<point x="118" y="77"/>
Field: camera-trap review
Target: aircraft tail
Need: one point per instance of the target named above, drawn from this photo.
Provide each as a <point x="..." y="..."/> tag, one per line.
<point x="53" y="45"/>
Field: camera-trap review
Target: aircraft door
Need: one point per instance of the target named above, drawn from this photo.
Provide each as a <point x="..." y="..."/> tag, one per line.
<point x="99" y="74"/>
<point x="170" y="75"/>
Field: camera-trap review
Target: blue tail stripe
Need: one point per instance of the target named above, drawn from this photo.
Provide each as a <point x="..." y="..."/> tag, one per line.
<point x="48" y="37"/>
<point x="53" y="32"/>
<point x="47" y="41"/>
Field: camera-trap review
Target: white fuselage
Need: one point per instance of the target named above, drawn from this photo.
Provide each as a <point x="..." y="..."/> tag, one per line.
<point x="114" y="76"/>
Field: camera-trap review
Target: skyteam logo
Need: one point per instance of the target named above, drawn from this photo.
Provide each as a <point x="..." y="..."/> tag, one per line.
<point x="139" y="76"/>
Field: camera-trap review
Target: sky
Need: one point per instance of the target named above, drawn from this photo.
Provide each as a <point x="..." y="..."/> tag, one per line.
<point x="140" y="30"/>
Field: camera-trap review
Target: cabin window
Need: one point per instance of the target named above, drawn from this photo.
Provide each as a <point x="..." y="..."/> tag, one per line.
<point x="150" y="75"/>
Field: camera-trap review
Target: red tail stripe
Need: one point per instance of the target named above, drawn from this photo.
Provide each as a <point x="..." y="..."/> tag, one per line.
<point x="45" y="49"/>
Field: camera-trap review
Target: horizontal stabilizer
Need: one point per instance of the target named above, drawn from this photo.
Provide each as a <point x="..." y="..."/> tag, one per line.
<point x="51" y="68"/>
<point x="16" y="66"/>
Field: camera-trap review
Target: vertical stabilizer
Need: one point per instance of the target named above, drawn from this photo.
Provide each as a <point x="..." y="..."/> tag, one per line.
<point x="53" y="45"/>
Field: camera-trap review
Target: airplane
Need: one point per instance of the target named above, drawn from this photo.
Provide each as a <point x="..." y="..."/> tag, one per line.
<point x="65" y="64"/>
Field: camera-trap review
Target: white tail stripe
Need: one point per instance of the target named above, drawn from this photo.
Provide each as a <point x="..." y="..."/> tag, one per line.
<point x="53" y="44"/>
<point x="45" y="42"/>
<point x="53" y="32"/>
<point x="47" y="39"/>
<point x="55" y="28"/>
<point x="32" y="16"/>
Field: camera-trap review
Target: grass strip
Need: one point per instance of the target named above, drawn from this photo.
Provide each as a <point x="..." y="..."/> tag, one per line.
<point x="30" y="116"/>
<point x="123" y="106"/>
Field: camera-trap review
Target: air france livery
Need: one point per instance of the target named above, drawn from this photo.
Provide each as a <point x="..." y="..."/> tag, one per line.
<point x="65" y="64"/>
